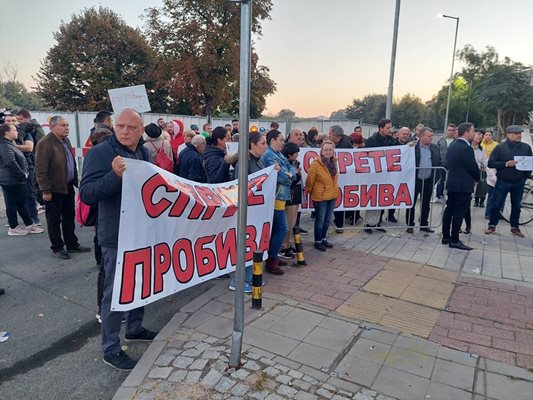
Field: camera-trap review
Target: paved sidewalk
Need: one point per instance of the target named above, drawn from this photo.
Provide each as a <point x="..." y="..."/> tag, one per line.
<point x="500" y="255"/>
<point x="380" y="316"/>
<point x="294" y="350"/>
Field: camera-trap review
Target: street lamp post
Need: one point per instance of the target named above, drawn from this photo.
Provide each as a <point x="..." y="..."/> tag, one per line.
<point x="453" y="62"/>
<point x="388" y="110"/>
<point x="244" y="123"/>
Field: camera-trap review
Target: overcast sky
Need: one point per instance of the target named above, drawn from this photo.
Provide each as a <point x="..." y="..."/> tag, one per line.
<point x="321" y="54"/>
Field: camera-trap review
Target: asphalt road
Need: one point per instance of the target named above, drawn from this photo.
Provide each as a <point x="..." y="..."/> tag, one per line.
<point x="49" y="309"/>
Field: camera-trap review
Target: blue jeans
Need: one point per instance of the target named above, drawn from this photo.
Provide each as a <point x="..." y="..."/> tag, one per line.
<point x="111" y="319"/>
<point x="516" y="189"/>
<point x="247" y="276"/>
<point x="324" y="211"/>
<point x="279" y="230"/>
<point x="490" y="201"/>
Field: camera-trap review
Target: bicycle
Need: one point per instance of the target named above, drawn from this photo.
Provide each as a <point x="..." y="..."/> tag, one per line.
<point x="526" y="206"/>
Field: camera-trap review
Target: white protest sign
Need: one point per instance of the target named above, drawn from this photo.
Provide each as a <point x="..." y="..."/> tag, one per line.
<point x="175" y="233"/>
<point x="524" y="163"/>
<point x="369" y="179"/>
<point x="232" y="147"/>
<point x="134" y="97"/>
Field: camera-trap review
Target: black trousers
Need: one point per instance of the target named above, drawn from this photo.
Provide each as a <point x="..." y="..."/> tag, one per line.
<point x="60" y="217"/>
<point x="456" y="208"/>
<point x="424" y="189"/>
<point x="15" y="199"/>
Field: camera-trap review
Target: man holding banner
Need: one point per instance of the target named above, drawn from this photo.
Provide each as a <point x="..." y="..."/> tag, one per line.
<point x="102" y="185"/>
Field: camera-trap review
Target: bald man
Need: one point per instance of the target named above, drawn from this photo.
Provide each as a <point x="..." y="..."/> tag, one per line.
<point x="101" y="185"/>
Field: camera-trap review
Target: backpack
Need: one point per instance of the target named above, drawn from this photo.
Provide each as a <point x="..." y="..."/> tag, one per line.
<point x="85" y="214"/>
<point x="161" y="159"/>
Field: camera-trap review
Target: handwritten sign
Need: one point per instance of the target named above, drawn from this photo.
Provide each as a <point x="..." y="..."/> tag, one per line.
<point x="524" y="163"/>
<point x="134" y="97"/>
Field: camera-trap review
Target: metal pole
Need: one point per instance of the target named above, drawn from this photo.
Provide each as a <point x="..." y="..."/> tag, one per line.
<point x="469" y="99"/>
<point x="450" y="84"/>
<point x="244" y="121"/>
<point x="388" y="111"/>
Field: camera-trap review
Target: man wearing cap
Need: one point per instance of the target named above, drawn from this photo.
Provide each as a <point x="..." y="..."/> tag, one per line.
<point x="195" y="128"/>
<point x="509" y="179"/>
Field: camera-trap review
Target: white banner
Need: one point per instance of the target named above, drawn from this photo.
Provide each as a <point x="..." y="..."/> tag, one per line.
<point x="175" y="233"/>
<point x="369" y="179"/>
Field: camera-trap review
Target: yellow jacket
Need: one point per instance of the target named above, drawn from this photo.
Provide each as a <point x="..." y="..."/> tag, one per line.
<point x="319" y="183"/>
<point x="488" y="147"/>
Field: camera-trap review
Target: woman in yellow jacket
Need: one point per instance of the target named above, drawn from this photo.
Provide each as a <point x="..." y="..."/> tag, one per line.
<point x="322" y="185"/>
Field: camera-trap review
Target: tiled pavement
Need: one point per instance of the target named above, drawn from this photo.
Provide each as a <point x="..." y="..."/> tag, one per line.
<point x="475" y="308"/>
<point x="307" y="352"/>
<point x="500" y="255"/>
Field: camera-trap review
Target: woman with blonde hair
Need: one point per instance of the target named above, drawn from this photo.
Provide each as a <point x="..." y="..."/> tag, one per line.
<point x="322" y="186"/>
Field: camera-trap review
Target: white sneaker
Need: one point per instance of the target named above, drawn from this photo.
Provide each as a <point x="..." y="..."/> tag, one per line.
<point x="17" y="231"/>
<point x="34" y="229"/>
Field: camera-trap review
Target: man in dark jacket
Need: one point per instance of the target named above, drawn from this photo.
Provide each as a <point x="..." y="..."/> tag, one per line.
<point x="463" y="173"/>
<point x="426" y="157"/>
<point x="509" y="178"/>
<point x="102" y="185"/>
<point x="383" y="137"/>
<point x="190" y="162"/>
<point x="56" y="173"/>
<point x="342" y="141"/>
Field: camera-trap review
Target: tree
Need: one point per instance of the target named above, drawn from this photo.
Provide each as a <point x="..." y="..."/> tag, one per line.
<point x="409" y="111"/>
<point x="339" y="114"/>
<point x="370" y="109"/>
<point x="505" y="90"/>
<point x="198" y="45"/>
<point x="13" y="94"/>
<point x="95" y="51"/>
<point x="286" y="115"/>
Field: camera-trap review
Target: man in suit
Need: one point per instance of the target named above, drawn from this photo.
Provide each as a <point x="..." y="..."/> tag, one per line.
<point x="427" y="156"/>
<point x="463" y="172"/>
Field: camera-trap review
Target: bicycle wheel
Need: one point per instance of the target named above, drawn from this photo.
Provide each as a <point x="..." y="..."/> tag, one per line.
<point x="526" y="210"/>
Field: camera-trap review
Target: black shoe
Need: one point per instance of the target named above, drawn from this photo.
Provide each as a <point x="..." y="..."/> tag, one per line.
<point x="320" y="246"/>
<point x="428" y="230"/>
<point x="467" y="231"/>
<point x="368" y="228"/>
<point x="379" y="229"/>
<point x="303" y="231"/>
<point x="459" y="245"/>
<point x="482" y="203"/>
<point x="327" y="244"/>
<point x="392" y="219"/>
<point x="144" y="335"/>
<point x="287" y="254"/>
<point x="79" y="249"/>
<point x="62" y="254"/>
<point x="410" y="230"/>
<point x="445" y="241"/>
<point x="2" y="291"/>
<point x="120" y="361"/>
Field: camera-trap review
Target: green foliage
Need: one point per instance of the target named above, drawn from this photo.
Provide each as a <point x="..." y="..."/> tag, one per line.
<point x="96" y="51"/>
<point x="14" y="95"/>
<point x="286" y="115"/>
<point x="339" y="114"/>
<point x="409" y="111"/>
<point x="370" y="109"/>
<point x="198" y="47"/>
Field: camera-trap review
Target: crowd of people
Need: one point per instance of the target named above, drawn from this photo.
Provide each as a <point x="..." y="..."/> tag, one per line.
<point x="40" y="169"/>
